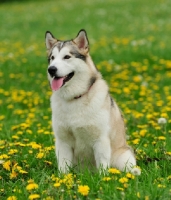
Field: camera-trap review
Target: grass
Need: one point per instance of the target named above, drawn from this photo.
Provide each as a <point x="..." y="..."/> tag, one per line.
<point x="130" y="44"/>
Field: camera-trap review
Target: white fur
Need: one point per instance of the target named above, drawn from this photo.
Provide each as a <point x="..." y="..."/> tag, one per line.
<point x="88" y="128"/>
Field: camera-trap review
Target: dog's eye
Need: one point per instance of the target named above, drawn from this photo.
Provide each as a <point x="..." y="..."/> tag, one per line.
<point x="52" y="58"/>
<point x="67" y="57"/>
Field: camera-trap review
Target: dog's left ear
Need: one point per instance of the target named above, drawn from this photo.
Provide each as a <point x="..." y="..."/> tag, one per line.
<point x="49" y="40"/>
<point x="81" y="40"/>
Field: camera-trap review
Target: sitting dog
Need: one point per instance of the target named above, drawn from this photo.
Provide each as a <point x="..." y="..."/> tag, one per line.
<point x="86" y="121"/>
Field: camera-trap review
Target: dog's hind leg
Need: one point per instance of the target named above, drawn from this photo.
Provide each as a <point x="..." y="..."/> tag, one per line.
<point x="124" y="159"/>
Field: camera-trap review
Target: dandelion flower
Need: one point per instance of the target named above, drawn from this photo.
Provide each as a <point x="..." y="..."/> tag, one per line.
<point x="129" y="175"/>
<point x="40" y="155"/>
<point x="34" y="196"/>
<point x="162" y="120"/>
<point x="31" y="186"/>
<point x="136" y="171"/>
<point x="123" y="180"/>
<point x="13" y="174"/>
<point x="23" y="172"/>
<point x="6" y="165"/>
<point x="83" y="189"/>
<point x="106" y="179"/>
<point x="12" y="198"/>
<point x="119" y="188"/>
<point x="114" y="171"/>
<point x="138" y="195"/>
<point x="168" y="153"/>
<point x="136" y="141"/>
<point x="161" y="137"/>
<point x="161" y="186"/>
<point x="57" y="185"/>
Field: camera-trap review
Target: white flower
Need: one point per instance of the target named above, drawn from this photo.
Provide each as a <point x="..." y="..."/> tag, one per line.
<point x="162" y="120"/>
<point x="136" y="171"/>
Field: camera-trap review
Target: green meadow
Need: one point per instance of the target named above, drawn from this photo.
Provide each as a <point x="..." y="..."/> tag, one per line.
<point x="130" y="44"/>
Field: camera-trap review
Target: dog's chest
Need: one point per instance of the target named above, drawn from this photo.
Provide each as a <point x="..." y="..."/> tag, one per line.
<point x="79" y="113"/>
<point x="79" y="124"/>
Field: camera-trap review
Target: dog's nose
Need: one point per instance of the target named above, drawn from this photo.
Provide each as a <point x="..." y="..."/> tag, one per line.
<point x="52" y="70"/>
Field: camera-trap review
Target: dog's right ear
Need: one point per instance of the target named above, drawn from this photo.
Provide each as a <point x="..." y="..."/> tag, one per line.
<point x="49" y="40"/>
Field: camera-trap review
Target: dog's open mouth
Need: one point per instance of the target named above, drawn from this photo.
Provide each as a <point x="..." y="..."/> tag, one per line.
<point x="58" y="82"/>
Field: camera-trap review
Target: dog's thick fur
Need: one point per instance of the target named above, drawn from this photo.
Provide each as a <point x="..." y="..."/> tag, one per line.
<point x="87" y="122"/>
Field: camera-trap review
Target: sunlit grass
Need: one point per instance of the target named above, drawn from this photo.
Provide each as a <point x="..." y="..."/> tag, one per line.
<point x="130" y="44"/>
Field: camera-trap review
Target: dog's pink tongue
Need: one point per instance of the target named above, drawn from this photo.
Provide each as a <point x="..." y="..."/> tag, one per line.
<point x="57" y="83"/>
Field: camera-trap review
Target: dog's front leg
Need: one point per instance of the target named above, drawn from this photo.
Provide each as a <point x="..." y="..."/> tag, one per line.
<point x="102" y="153"/>
<point x="64" y="155"/>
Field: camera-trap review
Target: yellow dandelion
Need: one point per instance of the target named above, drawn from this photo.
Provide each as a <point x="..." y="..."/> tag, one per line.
<point x="136" y="141"/>
<point x="57" y="185"/>
<point x="48" y="162"/>
<point x="34" y="145"/>
<point x="138" y="195"/>
<point x="23" y="172"/>
<point x="34" y="196"/>
<point x="168" y="153"/>
<point x="6" y="165"/>
<point x="106" y="178"/>
<point x="114" y="171"/>
<point x="2" y="117"/>
<point x="29" y="131"/>
<point x="146" y="197"/>
<point x="129" y="175"/>
<point x="68" y="180"/>
<point x="4" y="156"/>
<point x="143" y="132"/>
<point x="162" y="138"/>
<point x="125" y="185"/>
<point x="31" y="186"/>
<point x="30" y="181"/>
<point x="13" y="174"/>
<point x="15" y="137"/>
<point x="12" y="198"/>
<point x="119" y="188"/>
<point x="161" y="186"/>
<point x="12" y="151"/>
<point x="83" y="189"/>
<point x="40" y="155"/>
<point x="123" y="180"/>
<point x="48" y="198"/>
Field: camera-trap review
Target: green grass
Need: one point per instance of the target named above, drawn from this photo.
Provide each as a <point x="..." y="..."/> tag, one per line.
<point x="130" y="44"/>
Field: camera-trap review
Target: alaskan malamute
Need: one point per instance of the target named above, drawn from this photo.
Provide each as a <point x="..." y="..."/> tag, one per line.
<point x="87" y="123"/>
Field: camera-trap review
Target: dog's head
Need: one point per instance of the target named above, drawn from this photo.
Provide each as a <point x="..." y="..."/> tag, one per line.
<point x="70" y="65"/>
<point x="65" y="58"/>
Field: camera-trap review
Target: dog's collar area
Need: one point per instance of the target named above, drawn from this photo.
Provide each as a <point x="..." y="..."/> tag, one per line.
<point x="93" y="80"/>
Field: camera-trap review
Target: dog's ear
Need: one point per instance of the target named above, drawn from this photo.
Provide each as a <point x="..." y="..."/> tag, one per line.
<point x="49" y="40"/>
<point x="81" y="40"/>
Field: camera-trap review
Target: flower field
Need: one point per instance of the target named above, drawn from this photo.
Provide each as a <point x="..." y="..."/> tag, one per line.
<point x="130" y="44"/>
